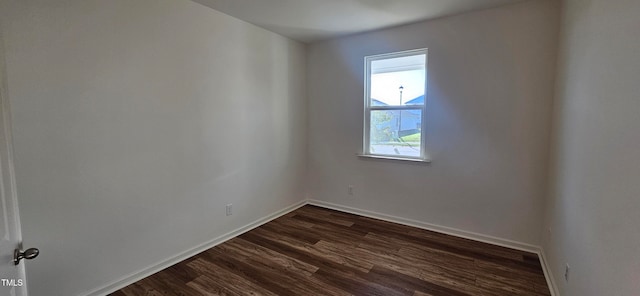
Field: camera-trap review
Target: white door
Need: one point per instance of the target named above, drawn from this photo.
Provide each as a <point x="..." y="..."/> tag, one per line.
<point x="12" y="277"/>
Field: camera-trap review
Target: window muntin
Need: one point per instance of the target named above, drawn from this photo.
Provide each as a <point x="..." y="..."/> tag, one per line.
<point x="395" y="104"/>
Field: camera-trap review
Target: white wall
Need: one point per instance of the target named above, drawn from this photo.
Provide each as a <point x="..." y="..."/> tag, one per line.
<point x="490" y="90"/>
<point x="135" y="122"/>
<point x="594" y="204"/>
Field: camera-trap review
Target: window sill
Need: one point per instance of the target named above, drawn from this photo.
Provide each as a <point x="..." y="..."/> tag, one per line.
<point x="384" y="157"/>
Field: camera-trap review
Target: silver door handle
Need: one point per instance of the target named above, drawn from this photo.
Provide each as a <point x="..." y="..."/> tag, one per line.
<point x="27" y="254"/>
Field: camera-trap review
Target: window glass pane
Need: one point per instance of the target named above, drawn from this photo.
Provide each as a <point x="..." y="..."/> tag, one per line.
<point x="398" y="81"/>
<point x="395" y="132"/>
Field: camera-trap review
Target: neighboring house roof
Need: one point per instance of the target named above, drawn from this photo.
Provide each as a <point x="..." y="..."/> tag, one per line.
<point x="375" y="102"/>
<point x="417" y="101"/>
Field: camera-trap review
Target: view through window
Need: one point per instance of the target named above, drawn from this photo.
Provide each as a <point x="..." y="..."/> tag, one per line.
<point x="395" y="103"/>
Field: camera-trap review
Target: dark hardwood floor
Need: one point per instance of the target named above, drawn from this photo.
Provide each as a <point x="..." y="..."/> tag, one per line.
<point x="316" y="251"/>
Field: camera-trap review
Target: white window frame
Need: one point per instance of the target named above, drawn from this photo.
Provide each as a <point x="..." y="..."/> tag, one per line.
<point x="368" y="108"/>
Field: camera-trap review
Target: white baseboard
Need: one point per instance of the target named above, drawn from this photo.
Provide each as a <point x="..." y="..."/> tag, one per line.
<point x="451" y="231"/>
<point x="433" y="227"/>
<point x="136" y="276"/>
<point x="547" y="273"/>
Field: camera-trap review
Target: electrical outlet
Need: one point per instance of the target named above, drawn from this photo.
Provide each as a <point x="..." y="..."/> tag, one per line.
<point x="566" y="272"/>
<point x="229" y="209"/>
<point x="355" y="187"/>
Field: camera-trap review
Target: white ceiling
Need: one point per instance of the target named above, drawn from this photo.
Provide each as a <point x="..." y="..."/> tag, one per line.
<point x="312" y="20"/>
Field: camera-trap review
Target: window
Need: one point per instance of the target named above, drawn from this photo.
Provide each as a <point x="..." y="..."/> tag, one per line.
<point x="395" y="90"/>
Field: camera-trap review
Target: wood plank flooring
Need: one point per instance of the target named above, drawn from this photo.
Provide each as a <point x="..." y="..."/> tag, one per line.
<point x="316" y="251"/>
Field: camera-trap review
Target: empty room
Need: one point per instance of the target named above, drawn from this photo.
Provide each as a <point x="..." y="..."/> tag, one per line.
<point x="306" y="147"/>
